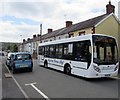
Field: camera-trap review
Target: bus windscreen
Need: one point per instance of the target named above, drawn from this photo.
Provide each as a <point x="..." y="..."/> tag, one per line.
<point x="104" y="50"/>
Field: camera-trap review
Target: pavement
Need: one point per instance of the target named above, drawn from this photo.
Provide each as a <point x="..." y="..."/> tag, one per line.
<point x="9" y="87"/>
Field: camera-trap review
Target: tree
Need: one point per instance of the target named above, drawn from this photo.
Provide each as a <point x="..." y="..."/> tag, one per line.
<point x="14" y="48"/>
<point x="8" y="47"/>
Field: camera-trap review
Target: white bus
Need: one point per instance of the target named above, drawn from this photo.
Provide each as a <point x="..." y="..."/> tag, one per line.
<point x="90" y="56"/>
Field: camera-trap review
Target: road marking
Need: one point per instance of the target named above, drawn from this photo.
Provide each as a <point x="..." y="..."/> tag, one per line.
<point x="40" y="92"/>
<point x="26" y="96"/>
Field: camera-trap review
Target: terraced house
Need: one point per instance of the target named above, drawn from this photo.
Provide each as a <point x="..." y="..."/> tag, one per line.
<point x="107" y="24"/>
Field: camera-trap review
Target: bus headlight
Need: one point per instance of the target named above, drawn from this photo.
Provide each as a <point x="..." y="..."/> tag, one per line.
<point x="97" y="68"/>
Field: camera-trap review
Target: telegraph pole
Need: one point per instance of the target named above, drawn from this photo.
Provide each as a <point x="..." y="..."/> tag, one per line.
<point x="40" y="33"/>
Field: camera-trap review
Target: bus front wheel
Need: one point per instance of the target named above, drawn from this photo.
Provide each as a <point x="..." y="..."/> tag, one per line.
<point x="67" y="69"/>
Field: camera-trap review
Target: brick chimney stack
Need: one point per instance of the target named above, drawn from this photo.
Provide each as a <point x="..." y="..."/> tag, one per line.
<point x="28" y="39"/>
<point x="38" y="35"/>
<point x="110" y="8"/>
<point x="34" y="36"/>
<point x="50" y="30"/>
<point x="68" y="23"/>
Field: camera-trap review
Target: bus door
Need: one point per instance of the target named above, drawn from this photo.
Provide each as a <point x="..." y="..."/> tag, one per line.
<point x="41" y="54"/>
<point x="82" y="51"/>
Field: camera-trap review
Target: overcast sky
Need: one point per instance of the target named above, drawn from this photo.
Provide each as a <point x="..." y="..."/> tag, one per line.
<point x="21" y="20"/>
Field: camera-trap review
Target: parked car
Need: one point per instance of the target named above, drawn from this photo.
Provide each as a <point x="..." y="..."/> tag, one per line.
<point x="19" y="60"/>
<point x="8" y="60"/>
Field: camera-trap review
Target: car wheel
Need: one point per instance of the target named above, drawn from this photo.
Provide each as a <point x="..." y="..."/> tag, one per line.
<point x="30" y="69"/>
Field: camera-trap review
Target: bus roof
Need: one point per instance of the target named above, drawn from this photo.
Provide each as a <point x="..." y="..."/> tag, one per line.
<point x="73" y="39"/>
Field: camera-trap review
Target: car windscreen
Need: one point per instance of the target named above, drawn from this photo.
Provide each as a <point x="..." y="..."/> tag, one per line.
<point x="23" y="57"/>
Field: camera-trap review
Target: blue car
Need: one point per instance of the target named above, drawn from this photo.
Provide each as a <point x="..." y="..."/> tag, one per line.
<point x="19" y="60"/>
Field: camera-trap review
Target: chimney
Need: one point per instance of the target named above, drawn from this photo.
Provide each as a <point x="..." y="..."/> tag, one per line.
<point x="28" y="39"/>
<point x="50" y="30"/>
<point x="38" y="35"/>
<point x="68" y="23"/>
<point x="34" y="36"/>
<point x="23" y="40"/>
<point x="110" y="8"/>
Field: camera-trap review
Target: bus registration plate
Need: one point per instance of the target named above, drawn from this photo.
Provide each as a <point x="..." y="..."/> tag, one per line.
<point x="107" y="74"/>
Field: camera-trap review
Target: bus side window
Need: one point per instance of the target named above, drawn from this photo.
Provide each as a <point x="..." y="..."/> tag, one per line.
<point x="52" y="51"/>
<point x="47" y="51"/>
<point x="65" y="49"/>
<point x="60" y="51"/>
<point x="41" y="51"/>
<point x="68" y="51"/>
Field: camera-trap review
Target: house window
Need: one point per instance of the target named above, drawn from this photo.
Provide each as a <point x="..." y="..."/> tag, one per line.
<point x="71" y="35"/>
<point x="93" y="30"/>
<point x="81" y="33"/>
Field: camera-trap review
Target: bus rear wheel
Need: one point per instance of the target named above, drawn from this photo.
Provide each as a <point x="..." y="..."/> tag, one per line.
<point x="67" y="69"/>
<point x="45" y="64"/>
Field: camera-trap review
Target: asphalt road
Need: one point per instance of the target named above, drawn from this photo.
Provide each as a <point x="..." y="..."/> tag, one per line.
<point x="49" y="83"/>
